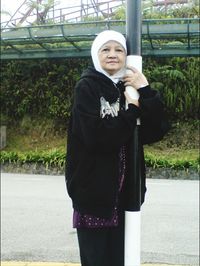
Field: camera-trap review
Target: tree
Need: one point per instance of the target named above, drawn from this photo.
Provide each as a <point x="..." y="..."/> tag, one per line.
<point x="42" y="9"/>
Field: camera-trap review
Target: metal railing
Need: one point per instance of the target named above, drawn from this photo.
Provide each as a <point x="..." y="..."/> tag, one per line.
<point x="69" y="14"/>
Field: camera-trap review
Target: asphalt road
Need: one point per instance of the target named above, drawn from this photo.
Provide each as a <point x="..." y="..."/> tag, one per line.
<point x="36" y="221"/>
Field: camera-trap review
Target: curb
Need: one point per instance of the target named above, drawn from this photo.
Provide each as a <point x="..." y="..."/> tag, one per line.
<point x="15" y="263"/>
<point x="20" y="263"/>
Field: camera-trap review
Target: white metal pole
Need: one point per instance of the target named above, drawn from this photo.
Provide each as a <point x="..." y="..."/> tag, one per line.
<point x="133" y="218"/>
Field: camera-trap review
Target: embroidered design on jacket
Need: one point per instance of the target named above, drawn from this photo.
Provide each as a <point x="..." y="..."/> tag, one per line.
<point x="109" y="109"/>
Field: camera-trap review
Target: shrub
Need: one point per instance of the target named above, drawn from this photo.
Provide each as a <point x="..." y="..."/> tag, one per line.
<point x="44" y="88"/>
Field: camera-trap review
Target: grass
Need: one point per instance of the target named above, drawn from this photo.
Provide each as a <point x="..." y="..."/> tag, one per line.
<point x="17" y="142"/>
<point x="32" y="140"/>
<point x="172" y="154"/>
<point x="35" y="135"/>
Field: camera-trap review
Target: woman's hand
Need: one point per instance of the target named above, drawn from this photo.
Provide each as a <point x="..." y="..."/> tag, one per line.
<point x="135" y="78"/>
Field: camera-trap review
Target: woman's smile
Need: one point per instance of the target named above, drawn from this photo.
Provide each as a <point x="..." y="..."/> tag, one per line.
<point x="112" y="62"/>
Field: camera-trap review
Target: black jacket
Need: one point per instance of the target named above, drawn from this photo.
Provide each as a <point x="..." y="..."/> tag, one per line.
<point x="92" y="164"/>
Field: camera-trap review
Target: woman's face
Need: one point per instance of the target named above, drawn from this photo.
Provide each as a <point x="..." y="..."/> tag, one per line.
<point x="112" y="57"/>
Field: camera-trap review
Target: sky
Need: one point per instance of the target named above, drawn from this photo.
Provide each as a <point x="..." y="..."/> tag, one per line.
<point x="12" y="5"/>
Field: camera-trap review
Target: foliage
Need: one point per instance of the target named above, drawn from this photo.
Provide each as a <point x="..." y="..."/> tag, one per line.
<point x="44" y="88"/>
<point x="41" y="9"/>
<point x="149" y="11"/>
<point x="38" y="134"/>
<point x="179" y="164"/>
<point x="39" y="87"/>
<point x="49" y="158"/>
<point x="120" y="13"/>
<point x="57" y="158"/>
<point x="39" y="142"/>
<point x="190" y="10"/>
<point x="178" y="81"/>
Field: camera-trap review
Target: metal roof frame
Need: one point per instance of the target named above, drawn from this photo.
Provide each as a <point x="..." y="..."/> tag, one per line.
<point x="160" y="37"/>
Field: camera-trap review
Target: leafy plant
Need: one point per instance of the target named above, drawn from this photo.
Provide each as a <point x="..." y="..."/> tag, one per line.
<point x="49" y="158"/>
<point x="57" y="158"/>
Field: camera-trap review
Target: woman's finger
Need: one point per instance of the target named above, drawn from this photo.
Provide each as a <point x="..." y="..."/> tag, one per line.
<point x="133" y="69"/>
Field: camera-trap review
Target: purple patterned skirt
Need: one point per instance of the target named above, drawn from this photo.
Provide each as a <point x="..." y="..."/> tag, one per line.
<point x="90" y="221"/>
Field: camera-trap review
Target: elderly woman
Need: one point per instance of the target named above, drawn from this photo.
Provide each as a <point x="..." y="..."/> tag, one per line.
<point x="99" y="136"/>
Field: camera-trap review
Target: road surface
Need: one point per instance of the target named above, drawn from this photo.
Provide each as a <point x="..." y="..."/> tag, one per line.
<point x="36" y="221"/>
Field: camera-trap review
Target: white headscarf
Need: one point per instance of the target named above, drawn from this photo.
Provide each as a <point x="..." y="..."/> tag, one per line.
<point x="99" y="41"/>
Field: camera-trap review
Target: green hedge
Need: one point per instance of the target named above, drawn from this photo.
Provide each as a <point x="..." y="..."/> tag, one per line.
<point x="50" y="158"/>
<point x="178" y="164"/>
<point x="44" y="88"/>
<point x="56" y="158"/>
